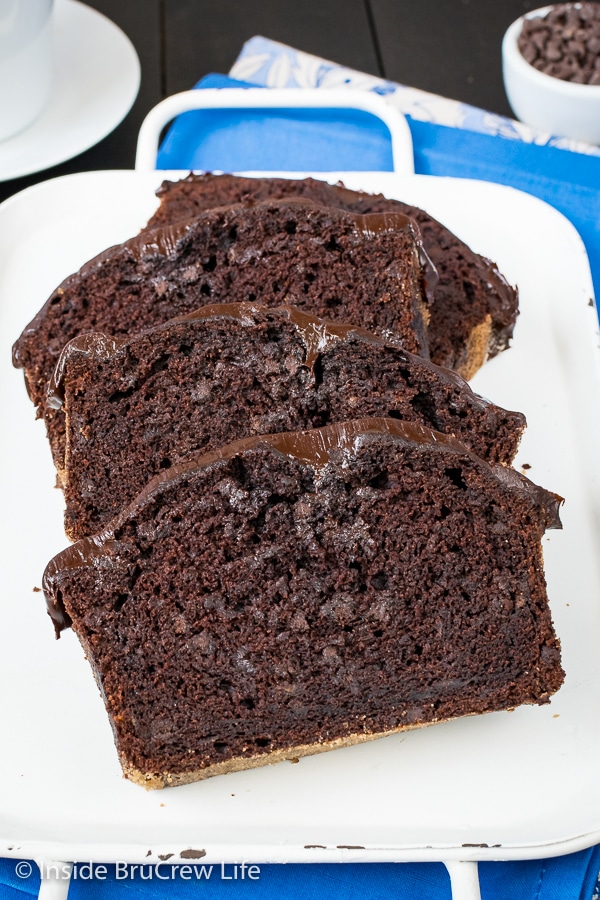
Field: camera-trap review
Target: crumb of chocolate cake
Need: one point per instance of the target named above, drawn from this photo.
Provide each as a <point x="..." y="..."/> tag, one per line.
<point x="135" y="407"/>
<point x="331" y="587"/>
<point x="470" y="288"/>
<point x="365" y="269"/>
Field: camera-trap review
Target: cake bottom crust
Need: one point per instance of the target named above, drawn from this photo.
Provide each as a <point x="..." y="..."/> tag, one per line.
<point x="158" y="780"/>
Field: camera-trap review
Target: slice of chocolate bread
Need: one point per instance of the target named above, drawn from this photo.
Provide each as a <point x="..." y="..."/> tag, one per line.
<point x="294" y="593"/>
<point x="137" y="406"/>
<point x="363" y="269"/>
<point x="474" y="310"/>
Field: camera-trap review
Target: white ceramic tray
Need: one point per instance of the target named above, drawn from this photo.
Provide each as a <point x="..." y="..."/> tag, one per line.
<point x="506" y="785"/>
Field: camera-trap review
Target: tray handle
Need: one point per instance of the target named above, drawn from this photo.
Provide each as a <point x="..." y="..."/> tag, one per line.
<point x="55" y="878"/>
<point x="464" y="879"/>
<point x="276" y="98"/>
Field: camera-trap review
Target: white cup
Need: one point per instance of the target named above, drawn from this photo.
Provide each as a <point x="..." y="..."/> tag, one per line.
<point x="26" y="62"/>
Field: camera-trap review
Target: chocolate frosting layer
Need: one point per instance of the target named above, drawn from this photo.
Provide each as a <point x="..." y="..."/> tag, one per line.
<point x="314" y="448"/>
<point x="164" y="241"/>
<point x="488" y="269"/>
<point x="92" y="344"/>
<point x="317" y="335"/>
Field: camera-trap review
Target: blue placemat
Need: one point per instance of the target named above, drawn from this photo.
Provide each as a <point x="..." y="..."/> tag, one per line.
<point x="567" y="878"/>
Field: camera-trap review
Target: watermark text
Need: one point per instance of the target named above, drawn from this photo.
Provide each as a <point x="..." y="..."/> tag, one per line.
<point x="124" y="871"/>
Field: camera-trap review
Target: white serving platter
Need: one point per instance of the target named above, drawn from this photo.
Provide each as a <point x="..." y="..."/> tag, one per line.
<point x="518" y="784"/>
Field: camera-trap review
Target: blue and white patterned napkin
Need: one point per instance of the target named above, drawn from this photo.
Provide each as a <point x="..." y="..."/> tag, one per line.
<point x="271" y="64"/>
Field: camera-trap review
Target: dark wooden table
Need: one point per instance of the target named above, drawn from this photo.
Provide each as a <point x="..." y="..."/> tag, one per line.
<point x="449" y="47"/>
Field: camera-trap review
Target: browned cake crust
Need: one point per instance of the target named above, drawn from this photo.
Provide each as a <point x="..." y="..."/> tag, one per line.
<point x="135" y="406"/>
<point x="474" y="310"/>
<point x="297" y="592"/>
<point x="339" y="265"/>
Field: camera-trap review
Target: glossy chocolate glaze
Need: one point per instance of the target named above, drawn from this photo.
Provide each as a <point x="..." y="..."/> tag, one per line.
<point x="316" y="334"/>
<point x="314" y="448"/>
<point x="489" y="271"/>
<point x="91" y="344"/>
<point x="164" y="241"/>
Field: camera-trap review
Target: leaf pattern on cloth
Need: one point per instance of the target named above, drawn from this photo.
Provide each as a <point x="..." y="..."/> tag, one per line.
<point x="271" y="64"/>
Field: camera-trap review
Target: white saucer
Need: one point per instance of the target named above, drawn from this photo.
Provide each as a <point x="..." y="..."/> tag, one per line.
<point x="96" y="80"/>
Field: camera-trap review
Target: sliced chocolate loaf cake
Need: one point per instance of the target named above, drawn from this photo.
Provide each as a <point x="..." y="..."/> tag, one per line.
<point x="295" y="593"/>
<point x="363" y="269"/>
<point x="474" y="309"/>
<point x="136" y="406"/>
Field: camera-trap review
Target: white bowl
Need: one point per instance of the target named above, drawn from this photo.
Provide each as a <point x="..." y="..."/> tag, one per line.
<point x="559" y="107"/>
